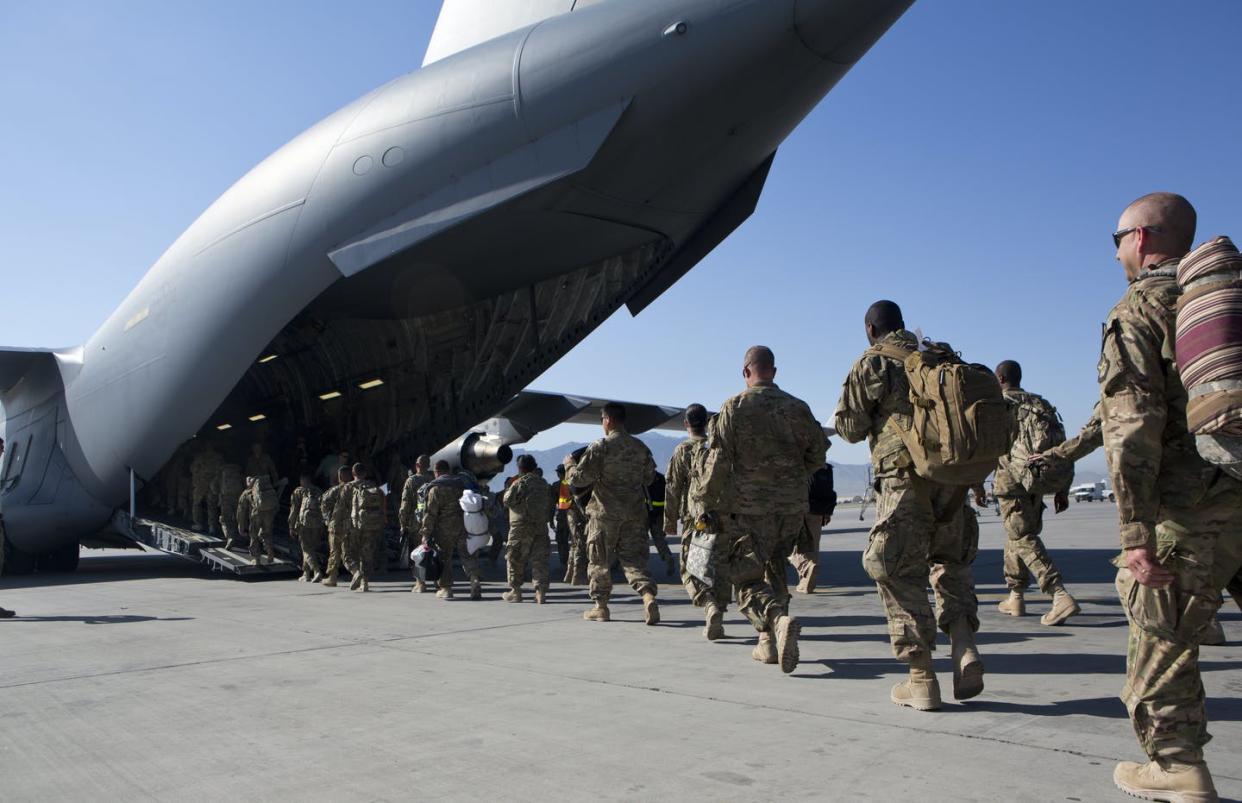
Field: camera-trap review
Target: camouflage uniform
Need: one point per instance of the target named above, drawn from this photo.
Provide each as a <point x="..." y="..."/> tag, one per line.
<point x="805" y="555"/>
<point x="679" y="510"/>
<point x="920" y="535"/>
<point x="262" y="465"/>
<point x="365" y="533"/>
<point x="256" y="515"/>
<point x="1171" y="500"/>
<point x="771" y="444"/>
<point x="443" y="524"/>
<point x="1084" y="443"/>
<point x="618" y="468"/>
<point x="1023" y="512"/>
<point x="335" y="505"/>
<point x="231" y="485"/>
<point x="527" y="503"/>
<point x="307" y="527"/>
<point x="576" y="569"/>
<point x="408" y="513"/>
<point x="205" y="488"/>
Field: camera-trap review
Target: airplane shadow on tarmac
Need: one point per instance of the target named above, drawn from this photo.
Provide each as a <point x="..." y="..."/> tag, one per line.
<point x="96" y="620"/>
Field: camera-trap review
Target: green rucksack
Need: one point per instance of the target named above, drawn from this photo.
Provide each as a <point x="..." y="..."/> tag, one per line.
<point x="1039" y="428"/>
<point x="368" y="510"/>
<point x="961" y="423"/>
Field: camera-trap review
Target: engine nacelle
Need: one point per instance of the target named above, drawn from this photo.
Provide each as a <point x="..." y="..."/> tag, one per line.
<point x="481" y="454"/>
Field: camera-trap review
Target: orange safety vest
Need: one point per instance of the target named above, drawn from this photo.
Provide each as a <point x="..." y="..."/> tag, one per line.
<point x="564" y="500"/>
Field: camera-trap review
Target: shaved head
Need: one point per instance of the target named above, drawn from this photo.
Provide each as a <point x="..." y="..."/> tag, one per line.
<point x="1009" y="373"/>
<point x="883" y="318"/>
<point x="761" y="357"/>
<point x="1169" y="212"/>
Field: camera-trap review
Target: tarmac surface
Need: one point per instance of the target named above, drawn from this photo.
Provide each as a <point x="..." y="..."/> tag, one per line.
<point x="143" y="677"/>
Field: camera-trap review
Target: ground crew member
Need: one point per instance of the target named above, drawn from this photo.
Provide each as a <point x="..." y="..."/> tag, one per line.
<point x="256" y="515"/>
<point x="443" y="524"/>
<point x="618" y="468"/>
<point x="655" y="523"/>
<point x="679" y="510"/>
<point x="333" y="504"/>
<point x="306" y="526"/>
<point x="1181" y="518"/>
<point x="527" y="502"/>
<point x="231" y="484"/>
<point x="1023" y="512"/>
<point x="763" y="448"/>
<point x="920" y="535"/>
<point x="205" y="489"/>
<point x="563" y="497"/>
<point x="260" y="464"/>
<point x="366" y="530"/>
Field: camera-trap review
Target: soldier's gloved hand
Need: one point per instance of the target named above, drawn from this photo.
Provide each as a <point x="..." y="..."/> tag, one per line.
<point x="1142" y="563"/>
<point x="1060" y="502"/>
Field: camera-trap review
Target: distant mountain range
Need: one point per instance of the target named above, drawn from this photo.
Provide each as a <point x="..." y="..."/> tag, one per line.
<point x="850" y="479"/>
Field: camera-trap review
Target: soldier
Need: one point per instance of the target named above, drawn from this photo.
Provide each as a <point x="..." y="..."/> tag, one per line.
<point x="443" y="525"/>
<point x="920" y="535"/>
<point x="334" y="504"/>
<point x="805" y="555"/>
<point x="1023" y="510"/>
<point x="409" y="513"/>
<point x="562" y="499"/>
<point x="366" y="517"/>
<point x="231" y="485"/>
<point x="618" y="468"/>
<point x="205" y="489"/>
<point x="1181" y="518"/>
<point x="170" y="481"/>
<point x="576" y="570"/>
<point x="679" y="510"/>
<point x="527" y="502"/>
<point x="307" y="527"/>
<point x="260" y="464"/>
<point x="655" y="523"/>
<point x="764" y="446"/>
<point x="256" y="515"/>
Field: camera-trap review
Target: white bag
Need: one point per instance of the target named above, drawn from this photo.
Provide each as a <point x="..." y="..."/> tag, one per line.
<point x="473" y="516"/>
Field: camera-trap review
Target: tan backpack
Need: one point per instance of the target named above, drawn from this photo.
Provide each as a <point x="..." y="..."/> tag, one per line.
<point x="961" y="423"/>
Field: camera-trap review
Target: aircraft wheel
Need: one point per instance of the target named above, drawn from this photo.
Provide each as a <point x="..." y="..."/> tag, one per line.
<point x="17" y="562"/>
<point x="62" y="561"/>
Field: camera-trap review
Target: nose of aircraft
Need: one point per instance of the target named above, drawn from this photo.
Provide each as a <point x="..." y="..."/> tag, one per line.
<point x="841" y="31"/>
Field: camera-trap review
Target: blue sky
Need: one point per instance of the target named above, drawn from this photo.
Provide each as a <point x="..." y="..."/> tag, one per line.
<point x="971" y="167"/>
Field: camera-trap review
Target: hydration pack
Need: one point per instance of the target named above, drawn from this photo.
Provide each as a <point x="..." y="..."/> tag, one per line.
<point x="1039" y="428"/>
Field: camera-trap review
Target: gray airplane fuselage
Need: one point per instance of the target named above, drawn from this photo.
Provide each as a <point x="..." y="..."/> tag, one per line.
<point x="609" y="138"/>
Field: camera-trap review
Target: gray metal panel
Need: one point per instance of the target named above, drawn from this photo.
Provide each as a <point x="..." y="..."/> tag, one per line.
<point x="465" y="23"/>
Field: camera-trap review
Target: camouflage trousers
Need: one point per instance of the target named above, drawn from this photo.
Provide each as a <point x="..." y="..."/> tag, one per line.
<point x="527" y="545"/>
<point x="261" y="533"/>
<point x="1024" y="549"/>
<point x="576" y="565"/>
<point x="228" y="522"/>
<point x="754" y="549"/>
<point x="805" y="554"/>
<point x="1164" y="693"/>
<point x="622" y="540"/>
<point x="361" y="547"/>
<point x="204" y="500"/>
<point x="336" y="552"/>
<point x="655" y="526"/>
<point x="720" y="592"/>
<point x="456" y="542"/>
<point x="311" y="541"/>
<point x="922" y="536"/>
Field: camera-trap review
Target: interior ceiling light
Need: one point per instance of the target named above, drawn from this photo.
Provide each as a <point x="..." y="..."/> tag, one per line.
<point x="268" y="358"/>
<point x="331" y="394"/>
<point x="371" y="383"/>
<point x="258" y="417"/>
<point x="224" y="427"/>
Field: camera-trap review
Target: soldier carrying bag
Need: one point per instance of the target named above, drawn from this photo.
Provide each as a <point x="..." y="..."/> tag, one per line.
<point x="961" y="424"/>
<point x="368" y="512"/>
<point x="1039" y="428"/>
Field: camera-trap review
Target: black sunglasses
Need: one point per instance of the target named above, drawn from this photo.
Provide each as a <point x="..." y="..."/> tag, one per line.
<point x="1120" y="234"/>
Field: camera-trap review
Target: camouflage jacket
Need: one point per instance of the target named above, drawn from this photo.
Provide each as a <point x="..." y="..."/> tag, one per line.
<point x="310" y="498"/>
<point x="1026" y="442"/>
<point x="205" y="470"/>
<point x="335" y="505"/>
<point x="770" y="444"/>
<point x="407" y="514"/>
<point x="677" y="490"/>
<point x="526" y="499"/>
<point x="443" y="517"/>
<point x="1084" y="443"/>
<point x="262" y="465"/>
<point x="618" y="468"/>
<point x="875" y="391"/>
<point x="1152" y="458"/>
<point x="231" y="484"/>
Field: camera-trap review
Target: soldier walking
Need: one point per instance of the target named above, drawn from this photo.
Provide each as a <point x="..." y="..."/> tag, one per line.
<point x="306" y="526"/>
<point x="526" y="499"/>
<point x="205" y="489"/>
<point x="333" y="505"/>
<point x="444" y="525"/>
<point x="256" y="515"/>
<point x="231" y="485"/>
<point x="366" y="526"/>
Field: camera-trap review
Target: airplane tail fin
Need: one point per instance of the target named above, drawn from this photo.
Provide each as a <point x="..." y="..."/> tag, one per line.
<point x="466" y="23"/>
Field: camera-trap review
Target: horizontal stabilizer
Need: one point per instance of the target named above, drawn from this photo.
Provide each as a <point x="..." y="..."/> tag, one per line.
<point x="16" y="363"/>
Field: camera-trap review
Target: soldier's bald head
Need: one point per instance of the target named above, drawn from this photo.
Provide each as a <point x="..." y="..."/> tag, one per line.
<point x="759" y="365"/>
<point x="1171" y="214"/>
<point x="1009" y="373"/>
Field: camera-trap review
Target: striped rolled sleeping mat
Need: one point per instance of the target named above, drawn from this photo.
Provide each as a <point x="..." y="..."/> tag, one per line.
<point x="1209" y="349"/>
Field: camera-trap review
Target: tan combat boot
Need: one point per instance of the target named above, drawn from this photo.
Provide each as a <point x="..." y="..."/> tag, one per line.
<point x="597" y="614"/>
<point x="651" y="609"/>
<point x="1063" y="607"/>
<point x="356" y="583"/>
<point x="921" y="691"/>
<point x="512" y="595"/>
<point x="1214" y="635"/>
<point x="420" y="587"/>
<point x="1014" y="604"/>
<point x="967" y="666"/>
<point x="715" y="623"/>
<point x="306" y="576"/>
<point x="364" y="587"/>
<point x="445" y="593"/>
<point x="329" y="582"/>
<point x="765" y="651"/>
<point x="541" y="594"/>
<point x="785" y="631"/>
<point x="317" y="578"/>
<point x="1170" y="781"/>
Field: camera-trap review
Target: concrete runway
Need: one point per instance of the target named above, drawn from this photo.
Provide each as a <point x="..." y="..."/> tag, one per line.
<point x="144" y="678"/>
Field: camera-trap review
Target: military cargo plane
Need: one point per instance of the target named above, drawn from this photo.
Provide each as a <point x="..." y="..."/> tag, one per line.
<point x="405" y="267"/>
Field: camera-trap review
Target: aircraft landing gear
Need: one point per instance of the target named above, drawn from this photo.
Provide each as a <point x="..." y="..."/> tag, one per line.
<point x="61" y="561"/>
